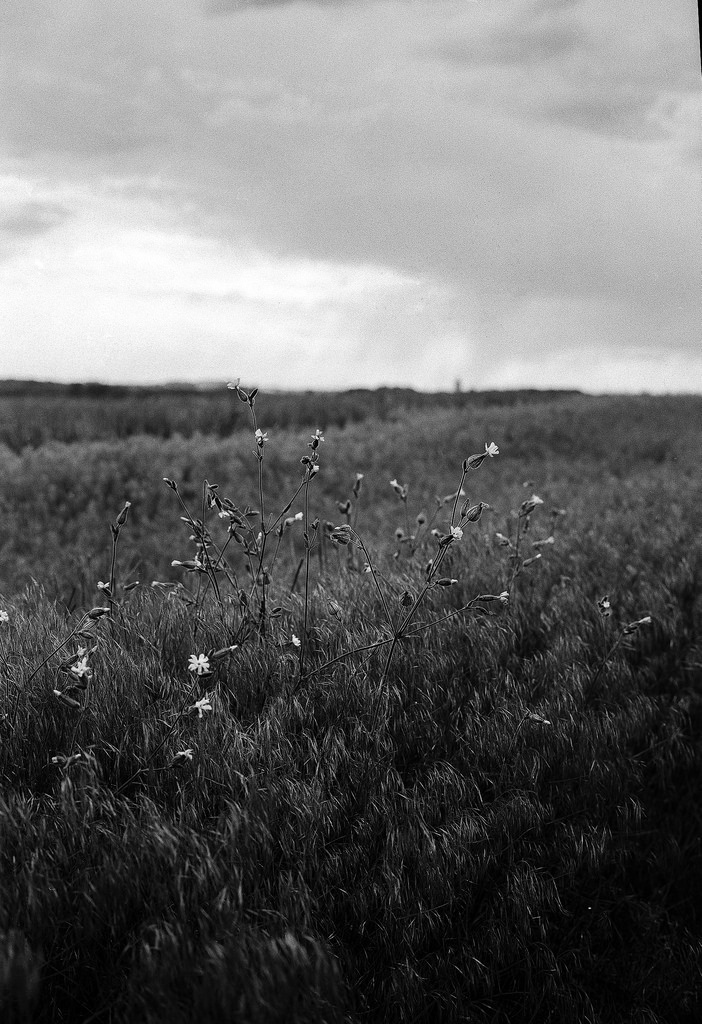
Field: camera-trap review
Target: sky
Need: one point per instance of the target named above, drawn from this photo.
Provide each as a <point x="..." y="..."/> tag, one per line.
<point x="352" y="193"/>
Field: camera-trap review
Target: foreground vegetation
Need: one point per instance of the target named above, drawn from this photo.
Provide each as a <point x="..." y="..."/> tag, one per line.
<point x="461" y="786"/>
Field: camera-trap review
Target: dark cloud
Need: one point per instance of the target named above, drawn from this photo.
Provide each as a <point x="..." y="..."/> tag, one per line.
<point x="514" y="46"/>
<point x="220" y="7"/>
<point x="625" y="116"/>
<point x="28" y="220"/>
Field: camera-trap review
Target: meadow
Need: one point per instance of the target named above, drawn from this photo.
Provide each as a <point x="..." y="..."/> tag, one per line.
<point x="409" y="732"/>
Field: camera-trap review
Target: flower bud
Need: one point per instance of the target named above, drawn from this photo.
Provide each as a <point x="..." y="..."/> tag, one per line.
<point x="97" y="613"/>
<point x="122" y="517"/>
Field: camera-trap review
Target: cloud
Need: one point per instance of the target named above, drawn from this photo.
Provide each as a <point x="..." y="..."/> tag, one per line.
<point x="580" y="64"/>
<point x="529" y="45"/>
<point x="475" y="185"/>
<point x="27" y="220"/>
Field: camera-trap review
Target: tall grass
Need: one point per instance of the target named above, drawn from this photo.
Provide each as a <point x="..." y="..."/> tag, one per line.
<point x="202" y="818"/>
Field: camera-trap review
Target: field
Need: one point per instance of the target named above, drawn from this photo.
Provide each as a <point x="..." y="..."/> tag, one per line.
<point x="371" y="750"/>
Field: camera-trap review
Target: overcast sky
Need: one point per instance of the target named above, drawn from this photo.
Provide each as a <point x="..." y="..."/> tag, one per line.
<point x="352" y="193"/>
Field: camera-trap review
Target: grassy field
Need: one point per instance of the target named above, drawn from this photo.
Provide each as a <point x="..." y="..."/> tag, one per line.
<point x="376" y="751"/>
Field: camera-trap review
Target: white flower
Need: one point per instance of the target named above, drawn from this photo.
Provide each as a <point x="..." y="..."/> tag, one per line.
<point x="81" y="668"/>
<point x="199" y="663"/>
<point x="295" y="641"/>
<point x="201" y="706"/>
<point x="184" y="755"/>
<point x="504" y="597"/>
<point x="456" y="532"/>
<point x="191" y="564"/>
<point x="318" y="435"/>
<point x="492" y="450"/>
<point x="528" y="506"/>
<point x="399" y="489"/>
<point x="261" y="438"/>
<point x="4" y="617"/>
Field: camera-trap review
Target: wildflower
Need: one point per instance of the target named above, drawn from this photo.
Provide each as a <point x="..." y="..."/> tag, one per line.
<point x="445" y="582"/>
<point x="219" y="655"/>
<point x="472" y="515"/>
<point x="236" y="386"/>
<point x="64" y="761"/>
<point x="201" y="706"/>
<point x="505" y="542"/>
<point x="456" y="532"/>
<point x="605" y="607"/>
<point x="103" y="586"/>
<point x="191" y="564"/>
<point x="528" y="506"/>
<point x="122" y="517"/>
<point x="399" y="489"/>
<point x="399" y="533"/>
<point x="341" y="534"/>
<point x="183" y="755"/>
<point x="357" y="484"/>
<point x="199" y="663"/>
<point x="632" y="627"/>
<point x="4" y="617"/>
<point x="97" y="613"/>
<point x="530" y="561"/>
<point x="81" y="668"/>
<point x="295" y="641"/>
<point x="261" y="438"/>
<point x="316" y="438"/>
<point x="474" y="461"/>
<point x="537" y="718"/>
<point x="542" y="543"/>
<point x="503" y="598"/>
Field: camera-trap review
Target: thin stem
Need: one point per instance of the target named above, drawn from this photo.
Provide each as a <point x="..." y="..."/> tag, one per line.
<point x="303" y="648"/>
<point x="162" y="742"/>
